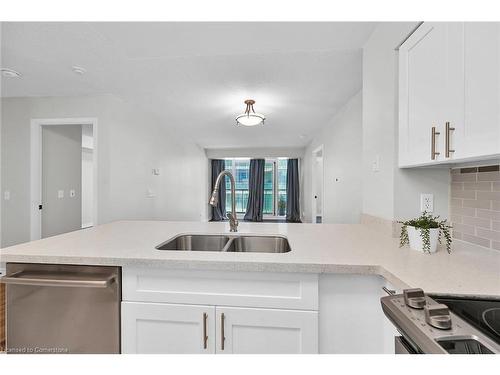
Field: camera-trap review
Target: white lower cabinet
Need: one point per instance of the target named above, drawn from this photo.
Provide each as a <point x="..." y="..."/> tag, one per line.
<point x="149" y="328"/>
<point x="266" y="331"/>
<point x="167" y="328"/>
<point x="173" y="311"/>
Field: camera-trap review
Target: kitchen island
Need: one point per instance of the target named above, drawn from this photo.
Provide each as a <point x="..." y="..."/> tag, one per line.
<point x="322" y="296"/>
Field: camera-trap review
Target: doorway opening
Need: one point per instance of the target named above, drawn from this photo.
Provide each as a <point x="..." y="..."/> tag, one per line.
<point x="63" y="176"/>
<point x="317" y="185"/>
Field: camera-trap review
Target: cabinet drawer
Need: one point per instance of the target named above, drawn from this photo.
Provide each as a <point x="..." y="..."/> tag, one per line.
<point x="246" y="289"/>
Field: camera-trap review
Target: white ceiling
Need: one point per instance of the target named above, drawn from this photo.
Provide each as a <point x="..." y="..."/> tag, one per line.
<point x="195" y="76"/>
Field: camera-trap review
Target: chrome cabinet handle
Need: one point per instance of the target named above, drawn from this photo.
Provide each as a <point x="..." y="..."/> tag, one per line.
<point x="222" y="337"/>
<point x="433" y="143"/>
<point x="205" y="336"/>
<point x="447" y="140"/>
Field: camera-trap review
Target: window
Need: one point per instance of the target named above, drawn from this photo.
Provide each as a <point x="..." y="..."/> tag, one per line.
<point x="275" y="171"/>
<point x="281" y="188"/>
<point x="240" y="170"/>
<point x="269" y="188"/>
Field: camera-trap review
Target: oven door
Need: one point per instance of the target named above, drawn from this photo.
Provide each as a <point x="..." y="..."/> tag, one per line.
<point x="401" y="346"/>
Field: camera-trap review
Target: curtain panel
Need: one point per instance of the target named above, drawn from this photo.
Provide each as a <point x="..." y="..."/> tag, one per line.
<point x="293" y="192"/>
<point x="255" y="205"/>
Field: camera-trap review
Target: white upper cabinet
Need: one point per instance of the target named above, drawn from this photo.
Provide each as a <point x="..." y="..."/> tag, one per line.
<point x="430" y="91"/>
<point x="480" y="135"/>
<point x="449" y="94"/>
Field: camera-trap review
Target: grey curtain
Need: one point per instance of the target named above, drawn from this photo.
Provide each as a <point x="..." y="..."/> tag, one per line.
<point x="292" y="192"/>
<point x="219" y="212"/>
<point x="255" y="205"/>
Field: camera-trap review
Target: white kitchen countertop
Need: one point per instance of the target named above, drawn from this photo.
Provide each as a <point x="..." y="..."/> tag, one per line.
<point x="325" y="248"/>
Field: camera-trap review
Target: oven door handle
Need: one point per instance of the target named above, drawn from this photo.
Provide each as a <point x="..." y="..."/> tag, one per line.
<point x="55" y="279"/>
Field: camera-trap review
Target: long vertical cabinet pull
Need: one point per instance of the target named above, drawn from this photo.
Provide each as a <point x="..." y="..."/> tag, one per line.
<point x="433" y="143"/>
<point x="222" y="336"/>
<point x="205" y="336"/>
<point x="447" y="140"/>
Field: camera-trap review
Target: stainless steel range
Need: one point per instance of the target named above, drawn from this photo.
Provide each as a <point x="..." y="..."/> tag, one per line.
<point x="442" y="324"/>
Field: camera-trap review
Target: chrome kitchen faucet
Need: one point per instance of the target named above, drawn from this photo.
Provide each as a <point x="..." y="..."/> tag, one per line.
<point x="233" y="221"/>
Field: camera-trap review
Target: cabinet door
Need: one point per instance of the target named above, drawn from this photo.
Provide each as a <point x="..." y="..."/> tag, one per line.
<point x="167" y="329"/>
<point x="480" y="135"/>
<point x="430" y="90"/>
<point x="266" y="331"/>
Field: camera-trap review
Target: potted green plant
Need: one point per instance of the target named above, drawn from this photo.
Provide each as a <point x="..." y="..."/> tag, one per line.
<point x="281" y="207"/>
<point x="424" y="233"/>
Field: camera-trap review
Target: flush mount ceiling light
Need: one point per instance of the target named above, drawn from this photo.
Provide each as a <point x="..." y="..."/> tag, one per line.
<point x="79" y="70"/>
<point x="10" y="73"/>
<point x="250" y="118"/>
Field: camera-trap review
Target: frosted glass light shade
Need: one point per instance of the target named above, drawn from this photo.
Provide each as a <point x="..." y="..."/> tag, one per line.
<point x="250" y="119"/>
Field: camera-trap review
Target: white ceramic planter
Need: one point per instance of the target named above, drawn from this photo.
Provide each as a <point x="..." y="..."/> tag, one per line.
<point x="416" y="242"/>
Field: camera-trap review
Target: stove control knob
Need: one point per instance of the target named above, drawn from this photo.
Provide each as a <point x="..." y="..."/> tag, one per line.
<point x="438" y="316"/>
<point x="414" y="298"/>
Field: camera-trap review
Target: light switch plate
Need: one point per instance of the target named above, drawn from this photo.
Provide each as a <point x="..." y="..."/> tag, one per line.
<point x="60" y="194"/>
<point x="376" y="164"/>
<point x="427" y="202"/>
<point x="6" y="195"/>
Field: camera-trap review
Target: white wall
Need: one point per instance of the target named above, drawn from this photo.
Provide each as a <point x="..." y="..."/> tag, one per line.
<point x="87" y="176"/>
<point x="87" y="187"/>
<point x="131" y="144"/>
<point x="341" y="140"/>
<point x="391" y="193"/>
<point x="264" y="152"/>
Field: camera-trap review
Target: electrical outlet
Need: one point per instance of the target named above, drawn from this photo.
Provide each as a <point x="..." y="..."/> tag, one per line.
<point x="427" y="202"/>
<point x="72" y="193"/>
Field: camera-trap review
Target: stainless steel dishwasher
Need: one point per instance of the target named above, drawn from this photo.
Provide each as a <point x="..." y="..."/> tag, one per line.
<point x="62" y="308"/>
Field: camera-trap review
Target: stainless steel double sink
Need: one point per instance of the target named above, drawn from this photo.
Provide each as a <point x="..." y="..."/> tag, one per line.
<point x="227" y="243"/>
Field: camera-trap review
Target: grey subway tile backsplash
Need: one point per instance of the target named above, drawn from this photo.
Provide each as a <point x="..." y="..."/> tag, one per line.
<point x="495" y="225"/>
<point x="476" y="240"/>
<point x="475" y="205"/>
<point x="477" y="222"/>
<point x="488" y="176"/>
<point x="463" y="177"/>
<point x="481" y="186"/>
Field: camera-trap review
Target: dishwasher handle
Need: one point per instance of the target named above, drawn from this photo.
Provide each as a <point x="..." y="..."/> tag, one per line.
<point x="55" y="279"/>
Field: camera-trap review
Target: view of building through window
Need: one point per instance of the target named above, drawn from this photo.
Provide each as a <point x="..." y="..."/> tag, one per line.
<point x="274" y="185"/>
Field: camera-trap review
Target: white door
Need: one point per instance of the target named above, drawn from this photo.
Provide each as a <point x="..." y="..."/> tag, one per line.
<point x="481" y="132"/>
<point x="430" y="90"/>
<point x="61" y="179"/>
<point x="167" y="328"/>
<point x="266" y="331"/>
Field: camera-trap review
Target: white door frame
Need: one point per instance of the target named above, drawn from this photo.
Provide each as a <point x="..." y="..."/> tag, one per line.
<point x="313" y="183"/>
<point x="36" y="167"/>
